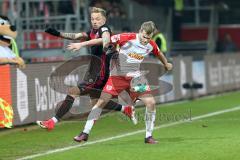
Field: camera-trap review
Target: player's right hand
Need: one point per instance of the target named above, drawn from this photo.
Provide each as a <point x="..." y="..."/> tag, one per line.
<point x="168" y="66"/>
<point x="52" y="31"/>
<point x="74" y="46"/>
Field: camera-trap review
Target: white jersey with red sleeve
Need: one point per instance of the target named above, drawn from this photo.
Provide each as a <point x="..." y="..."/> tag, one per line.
<point x="131" y="54"/>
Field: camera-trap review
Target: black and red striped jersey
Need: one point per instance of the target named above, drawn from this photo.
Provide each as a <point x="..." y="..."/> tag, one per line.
<point x="99" y="64"/>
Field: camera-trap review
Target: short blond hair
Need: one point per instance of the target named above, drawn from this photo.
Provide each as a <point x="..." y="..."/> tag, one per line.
<point x="149" y="27"/>
<point x="98" y="10"/>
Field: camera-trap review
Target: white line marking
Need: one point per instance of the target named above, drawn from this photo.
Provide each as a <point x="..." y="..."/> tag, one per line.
<point x="131" y="133"/>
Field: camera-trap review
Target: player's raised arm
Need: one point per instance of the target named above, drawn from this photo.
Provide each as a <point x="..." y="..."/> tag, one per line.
<point x="77" y="46"/>
<point x="70" y="36"/>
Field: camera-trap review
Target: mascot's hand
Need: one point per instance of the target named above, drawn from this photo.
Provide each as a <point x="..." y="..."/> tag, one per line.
<point x="20" y="62"/>
<point x="52" y="31"/>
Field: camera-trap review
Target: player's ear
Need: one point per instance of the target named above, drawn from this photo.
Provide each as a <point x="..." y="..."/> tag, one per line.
<point x="151" y="35"/>
<point x="104" y="18"/>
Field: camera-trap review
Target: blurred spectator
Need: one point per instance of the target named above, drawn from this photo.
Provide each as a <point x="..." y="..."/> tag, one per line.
<point x="178" y="6"/>
<point x="115" y="8"/>
<point x="66" y="7"/>
<point x="126" y="29"/>
<point x="226" y="45"/>
<point x="160" y="40"/>
<point x="5" y="7"/>
<point x="9" y="9"/>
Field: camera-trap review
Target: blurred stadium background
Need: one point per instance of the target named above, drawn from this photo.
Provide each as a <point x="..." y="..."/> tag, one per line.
<point x="203" y="42"/>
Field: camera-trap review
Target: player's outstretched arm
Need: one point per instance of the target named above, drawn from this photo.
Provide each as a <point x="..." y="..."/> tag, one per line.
<point x="163" y="59"/>
<point x="77" y="46"/>
<point x="70" y="36"/>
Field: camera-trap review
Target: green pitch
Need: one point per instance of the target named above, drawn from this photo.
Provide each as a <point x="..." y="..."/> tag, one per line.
<point x="211" y="138"/>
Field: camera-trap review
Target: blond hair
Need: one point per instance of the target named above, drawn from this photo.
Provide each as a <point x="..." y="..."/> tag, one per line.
<point x="98" y="10"/>
<point x="149" y="27"/>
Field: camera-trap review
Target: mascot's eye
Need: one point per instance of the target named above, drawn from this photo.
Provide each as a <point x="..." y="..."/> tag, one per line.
<point x="2" y="23"/>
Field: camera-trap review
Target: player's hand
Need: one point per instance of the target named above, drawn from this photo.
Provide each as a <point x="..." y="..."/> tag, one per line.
<point x="168" y="66"/>
<point x="52" y="31"/>
<point x="109" y="49"/>
<point x="74" y="46"/>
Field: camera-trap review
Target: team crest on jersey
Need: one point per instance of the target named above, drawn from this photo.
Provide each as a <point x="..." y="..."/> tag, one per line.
<point x="136" y="56"/>
<point x="109" y="87"/>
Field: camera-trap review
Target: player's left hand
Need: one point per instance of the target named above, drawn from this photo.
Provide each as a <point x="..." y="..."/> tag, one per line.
<point x="74" y="46"/>
<point x="168" y="66"/>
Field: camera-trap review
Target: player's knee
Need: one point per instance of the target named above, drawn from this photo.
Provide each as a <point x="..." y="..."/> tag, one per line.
<point x="103" y="100"/>
<point x="151" y="103"/>
<point x="73" y="91"/>
<point x="101" y="103"/>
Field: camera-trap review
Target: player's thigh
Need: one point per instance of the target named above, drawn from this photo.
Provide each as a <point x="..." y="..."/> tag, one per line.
<point x="105" y="96"/>
<point x="148" y="100"/>
<point x="99" y="98"/>
<point x="126" y="98"/>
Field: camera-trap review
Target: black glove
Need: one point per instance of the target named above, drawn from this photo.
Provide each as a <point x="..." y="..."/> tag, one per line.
<point x="109" y="49"/>
<point x="52" y="31"/>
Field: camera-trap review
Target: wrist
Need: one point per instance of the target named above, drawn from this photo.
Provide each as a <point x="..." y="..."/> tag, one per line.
<point x="165" y="63"/>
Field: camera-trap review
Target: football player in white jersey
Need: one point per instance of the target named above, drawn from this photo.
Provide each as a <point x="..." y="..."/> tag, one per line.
<point x="133" y="48"/>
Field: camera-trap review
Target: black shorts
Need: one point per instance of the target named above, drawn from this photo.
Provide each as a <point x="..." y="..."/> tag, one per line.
<point x="93" y="89"/>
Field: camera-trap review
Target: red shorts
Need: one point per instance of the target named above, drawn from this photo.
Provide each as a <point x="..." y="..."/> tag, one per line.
<point x="116" y="84"/>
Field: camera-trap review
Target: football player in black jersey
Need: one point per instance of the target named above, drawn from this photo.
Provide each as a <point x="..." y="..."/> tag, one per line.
<point x="97" y="73"/>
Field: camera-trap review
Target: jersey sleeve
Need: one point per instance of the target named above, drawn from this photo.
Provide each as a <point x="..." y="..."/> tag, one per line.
<point x="103" y="29"/>
<point x="156" y="51"/>
<point x="122" y="38"/>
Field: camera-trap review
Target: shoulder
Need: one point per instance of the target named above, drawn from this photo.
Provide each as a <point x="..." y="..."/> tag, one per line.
<point x="123" y="37"/>
<point x="153" y="44"/>
<point x="154" y="47"/>
<point x="104" y="28"/>
<point x="128" y="36"/>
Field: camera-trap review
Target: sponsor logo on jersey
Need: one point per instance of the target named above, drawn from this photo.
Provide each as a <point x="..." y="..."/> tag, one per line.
<point x="136" y="56"/>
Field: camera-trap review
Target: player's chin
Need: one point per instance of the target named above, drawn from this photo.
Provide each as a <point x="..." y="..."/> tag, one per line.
<point x="95" y="27"/>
